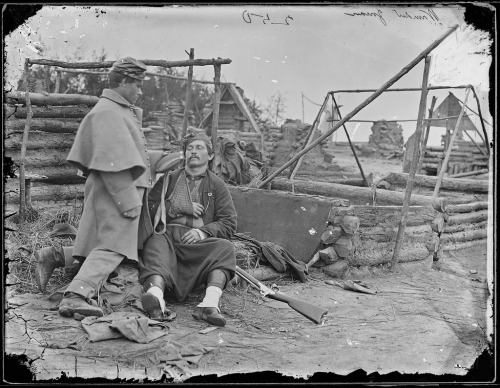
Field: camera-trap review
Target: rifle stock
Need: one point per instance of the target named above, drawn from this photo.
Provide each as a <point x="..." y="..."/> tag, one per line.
<point x="308" y="310"/>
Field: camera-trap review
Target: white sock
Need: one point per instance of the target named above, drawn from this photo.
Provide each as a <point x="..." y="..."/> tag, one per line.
<point x="156" y="291"/>
<point x="211" y="299"/>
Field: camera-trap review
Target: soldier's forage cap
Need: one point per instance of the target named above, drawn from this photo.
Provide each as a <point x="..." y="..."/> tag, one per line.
<point x="190" y="137"/>
<point x="130" y="67"/>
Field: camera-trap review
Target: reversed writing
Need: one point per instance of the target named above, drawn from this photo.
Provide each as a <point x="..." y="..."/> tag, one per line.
<point x="377" y="14"/>
<point x="425" y="15"/>
<point x="253" y="17"/>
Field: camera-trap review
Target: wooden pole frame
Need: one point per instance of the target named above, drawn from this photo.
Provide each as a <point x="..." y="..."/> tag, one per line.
<point x="187" y="105"/>
<point x="413" y="166"/>
<point x="482" y="120"/>
<point x="217" y="63"/>
<point x="351" y="145"/>
<point x="147" y="62"/>
<point x="24" y="145"/>
<point x="449" y="147"/>
<point x="149" y="73"/>
<point x="310" y="138"/>
<point x="350" y="115"/>
<point x="426" y="135"/>
<point x="215" y="114"/>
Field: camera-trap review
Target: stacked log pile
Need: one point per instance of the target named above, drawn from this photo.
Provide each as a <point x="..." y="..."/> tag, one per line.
<point x="465" y="225"/>
<point x="169" y="120"/>
<point x="56" y="118"/>
<point x="283" y="143"/>
<point x="386" y="140"/>
<point x="360" y="237"/>
<point x="465" y="216"/>
<point x="464" y="157"/>
<point x="455" y="190"/>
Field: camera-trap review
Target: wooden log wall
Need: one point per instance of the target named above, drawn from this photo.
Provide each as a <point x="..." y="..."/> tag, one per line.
<point x="284" y="142"/>
<point x="359" y="236"/>
<point x="56" y="118"/>
<point x="465" y="157"/>
<point x="465" y="225"/>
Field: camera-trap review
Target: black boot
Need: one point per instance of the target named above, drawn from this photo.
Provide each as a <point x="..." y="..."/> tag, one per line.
<point x="216" y="278"/>
<point x="48" y="259"/>
<point x="149" y="302"/>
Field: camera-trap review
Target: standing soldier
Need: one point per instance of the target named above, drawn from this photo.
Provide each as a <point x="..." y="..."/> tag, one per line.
<point x="110" y="149"/>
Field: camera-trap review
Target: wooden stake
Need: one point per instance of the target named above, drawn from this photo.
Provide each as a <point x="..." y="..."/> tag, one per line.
<point x="309" y="139"/>
<point x="22" y="177"/>
<point x="187" y="105"/>
<point x="426" y="137"/>
<point x="448" y="151"/>
<point x="486" y="142"/>
<point x="215" y="114"/>
<point x="473" y="142"/>
<point x="58" y="82"/>
<point x="147" y="62"/>
<point x="350" y="115"/>
<point x="351" y="145"/>
<point x="413" y="166"/>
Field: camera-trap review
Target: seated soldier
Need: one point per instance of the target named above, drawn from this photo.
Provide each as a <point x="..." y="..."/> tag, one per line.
<point x="193" y="217"/>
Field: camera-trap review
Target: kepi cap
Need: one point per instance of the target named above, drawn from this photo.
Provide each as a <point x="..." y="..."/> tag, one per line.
<point x="130" y="67"/>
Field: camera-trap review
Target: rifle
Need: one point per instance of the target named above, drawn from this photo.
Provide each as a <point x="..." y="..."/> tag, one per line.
<point x="310" y="311"/>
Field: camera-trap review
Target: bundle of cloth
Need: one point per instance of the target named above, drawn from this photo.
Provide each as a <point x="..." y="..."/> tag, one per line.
<point x="277" y="256"/>
<point x="237" y="163"/>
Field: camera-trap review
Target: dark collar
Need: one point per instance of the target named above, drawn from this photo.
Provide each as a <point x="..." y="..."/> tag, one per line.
<point x="195" y="177"/>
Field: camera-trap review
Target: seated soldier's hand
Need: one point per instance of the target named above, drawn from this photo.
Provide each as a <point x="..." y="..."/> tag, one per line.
<point x="198" y="209"/>
<point x="190" y="237"/>
<point x="133" y="213"/>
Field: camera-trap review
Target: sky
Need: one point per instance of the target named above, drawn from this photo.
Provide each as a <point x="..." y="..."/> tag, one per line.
<point x="301" y="52"/>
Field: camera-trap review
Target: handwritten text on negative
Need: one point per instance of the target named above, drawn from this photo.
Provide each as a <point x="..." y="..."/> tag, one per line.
<point x="420" y="15"/>
<point x="253" y="17"/>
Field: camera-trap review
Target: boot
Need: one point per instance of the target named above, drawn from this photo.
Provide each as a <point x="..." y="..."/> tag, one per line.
<point x="209" y="315"/>
<point x="48" y="259"/>
<point x="74" y="303"/>
<point x="216" y="278"/>
<point x="150" y="302"/>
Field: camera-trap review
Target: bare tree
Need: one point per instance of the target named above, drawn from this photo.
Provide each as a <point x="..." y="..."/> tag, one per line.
<point x="275" y="108"/>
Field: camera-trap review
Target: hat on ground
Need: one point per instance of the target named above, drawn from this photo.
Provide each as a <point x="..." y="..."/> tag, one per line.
<point x="63" y="230"/>
<point x="130" y="67"/>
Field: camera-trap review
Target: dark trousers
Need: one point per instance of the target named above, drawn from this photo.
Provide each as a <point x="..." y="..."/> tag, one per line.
<point x="185" y="267"/>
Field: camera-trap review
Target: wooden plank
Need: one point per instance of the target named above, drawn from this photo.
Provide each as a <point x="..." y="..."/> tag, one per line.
<point x="39" y="99"/>
<point x="40" y="140"/>
<point x="454" y="184"/>
<point x="43" y="192"/>
<point x="43" y="125"/>
<point x="54" y="112"/>
<point x="465" y="235"/>
<point x="40" y="158"/>
<point x="356" y="195"/>
<point x="384" y="216"/>
<point x="465" y="226"/>
<point x="243" y="107"/>
<point x="295" y="222"/>
<point x="471" y="217"/>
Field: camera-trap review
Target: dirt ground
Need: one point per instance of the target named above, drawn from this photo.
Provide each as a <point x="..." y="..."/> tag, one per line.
<point x="423" y="325"/>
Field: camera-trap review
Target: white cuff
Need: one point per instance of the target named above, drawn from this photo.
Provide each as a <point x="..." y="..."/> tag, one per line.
<point x="202" y="235"/>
